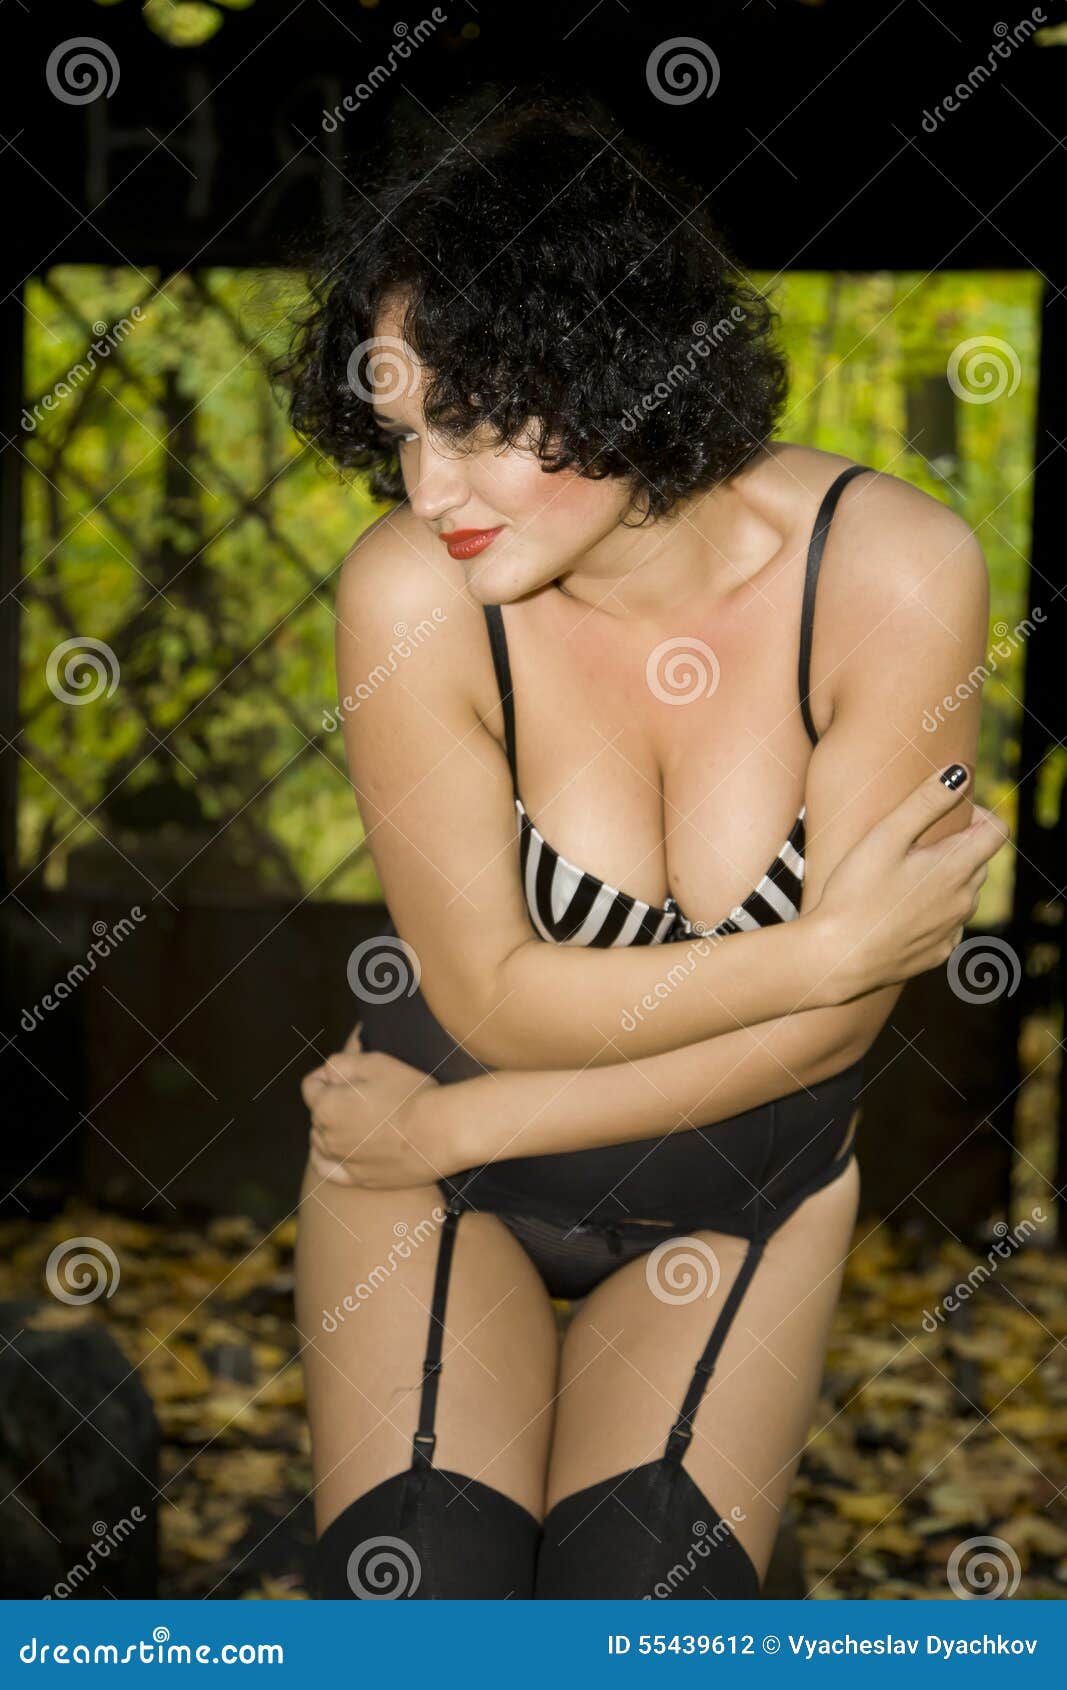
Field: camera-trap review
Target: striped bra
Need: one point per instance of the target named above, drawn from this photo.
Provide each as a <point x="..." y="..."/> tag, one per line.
<point x="569" y="906"/>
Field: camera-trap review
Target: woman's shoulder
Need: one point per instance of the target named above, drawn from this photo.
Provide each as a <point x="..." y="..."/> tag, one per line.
<point x="393" y="587"/>
<point x="887" y="537"/>
<point x="903" y="577"/>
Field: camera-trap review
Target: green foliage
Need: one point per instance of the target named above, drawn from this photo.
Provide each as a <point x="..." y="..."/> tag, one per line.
<point x="185" y="23"/>
<point x="857" y="345"/>
<point x="171" y="514"/>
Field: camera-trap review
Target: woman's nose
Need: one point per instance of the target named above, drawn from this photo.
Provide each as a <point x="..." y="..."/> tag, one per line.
<point x="440" y="485"/>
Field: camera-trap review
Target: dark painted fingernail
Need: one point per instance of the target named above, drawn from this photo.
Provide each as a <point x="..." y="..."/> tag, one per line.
<point x="954" y="776"/>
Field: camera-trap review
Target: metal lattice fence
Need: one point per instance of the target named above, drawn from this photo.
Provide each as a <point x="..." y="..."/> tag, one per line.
<point x="180" y="553"/>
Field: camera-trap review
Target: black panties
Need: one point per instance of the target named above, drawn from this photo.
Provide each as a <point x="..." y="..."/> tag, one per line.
<point x="429" y="1533"/>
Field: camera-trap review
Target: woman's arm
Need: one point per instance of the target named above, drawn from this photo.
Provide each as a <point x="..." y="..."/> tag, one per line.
<point x="435" y="796"/>
<point x="878" y="745"/>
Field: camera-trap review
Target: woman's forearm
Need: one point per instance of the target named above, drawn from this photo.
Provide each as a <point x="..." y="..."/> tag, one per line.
<point x="600" y="1007"/>
<point x="502" y="1115"/>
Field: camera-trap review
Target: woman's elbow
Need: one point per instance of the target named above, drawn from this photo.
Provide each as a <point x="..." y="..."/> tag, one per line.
<point x="865" y="1022"/>
<point x="474" y="1022"/>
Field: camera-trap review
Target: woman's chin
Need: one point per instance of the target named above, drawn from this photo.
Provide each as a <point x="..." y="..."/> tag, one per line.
<point x="503" y="583"/>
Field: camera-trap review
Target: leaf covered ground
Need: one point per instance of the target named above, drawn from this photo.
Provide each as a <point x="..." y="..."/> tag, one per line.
<point x="936" y="1424"/>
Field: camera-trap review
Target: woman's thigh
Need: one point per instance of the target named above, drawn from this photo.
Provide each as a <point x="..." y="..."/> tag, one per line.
<point x="633" y="1343"/>
<point x="365" y="1264"/>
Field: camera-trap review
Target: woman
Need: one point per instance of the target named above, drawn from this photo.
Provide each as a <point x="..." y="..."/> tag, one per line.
<point x="602" y="576"/>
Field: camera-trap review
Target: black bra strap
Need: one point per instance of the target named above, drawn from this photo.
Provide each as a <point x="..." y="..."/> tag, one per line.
<point x="426" y="1437"/>
<point x="499" y="644"/>
<point x="807" y="610"/>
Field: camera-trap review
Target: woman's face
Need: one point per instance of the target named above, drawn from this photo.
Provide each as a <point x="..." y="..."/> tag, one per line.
<point x="547" y="523"/>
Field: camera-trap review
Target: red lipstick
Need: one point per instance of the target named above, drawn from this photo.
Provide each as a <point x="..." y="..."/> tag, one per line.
<point x="467" y="542"/>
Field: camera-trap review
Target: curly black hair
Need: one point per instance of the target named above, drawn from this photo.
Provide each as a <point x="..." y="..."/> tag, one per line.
<point x="552" y="276"/>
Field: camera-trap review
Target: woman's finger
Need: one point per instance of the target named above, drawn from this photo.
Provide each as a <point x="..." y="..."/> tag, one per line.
<point x="312" y="1087"/>
<point x="931" y="799"/>
<point x="354" y="1043"/>
<point x="343" y="1067"/>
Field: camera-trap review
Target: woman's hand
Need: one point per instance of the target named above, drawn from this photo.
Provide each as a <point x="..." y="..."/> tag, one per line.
<point x="891" y="908"/>
<point x="364" y="1129"/>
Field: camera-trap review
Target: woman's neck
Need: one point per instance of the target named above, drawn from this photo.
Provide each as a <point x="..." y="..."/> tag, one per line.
<point x="699" y="552"/>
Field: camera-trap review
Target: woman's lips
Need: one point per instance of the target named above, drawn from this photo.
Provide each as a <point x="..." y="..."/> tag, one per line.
<point x="467" y="542"/>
